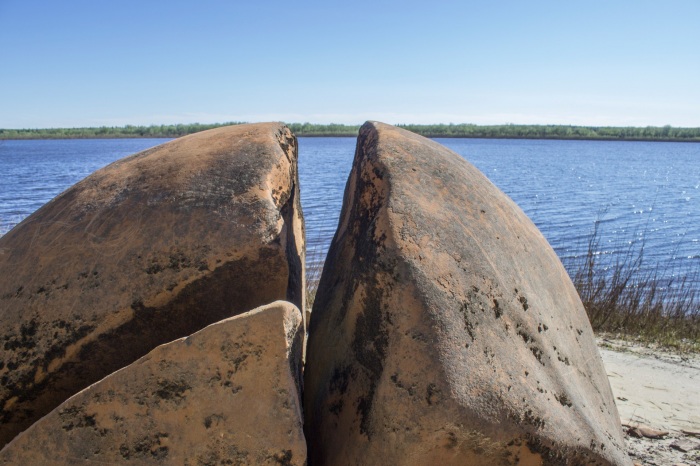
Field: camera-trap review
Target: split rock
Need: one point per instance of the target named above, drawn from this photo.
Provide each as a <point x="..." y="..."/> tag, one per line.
<point x="149" y="249"/>
<point x="445" y="330"/>
<point x="228" y="394"/>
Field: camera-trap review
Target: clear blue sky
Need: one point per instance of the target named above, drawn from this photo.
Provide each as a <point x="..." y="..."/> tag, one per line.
<point x="92" y="63"/>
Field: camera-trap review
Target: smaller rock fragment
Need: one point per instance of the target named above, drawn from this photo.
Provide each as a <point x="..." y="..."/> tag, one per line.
<point x="228" y="394"/>
<point x="647" y="432"/>
<point x="639" y="430"/>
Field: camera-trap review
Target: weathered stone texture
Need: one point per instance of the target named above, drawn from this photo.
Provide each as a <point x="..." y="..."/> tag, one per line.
<point x="445" y="329"/>
<point x="228" y="394"/>
<point x="149" y="249"/>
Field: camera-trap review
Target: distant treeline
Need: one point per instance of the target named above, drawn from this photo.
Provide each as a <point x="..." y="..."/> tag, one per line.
<point x="106" y="132"/>
<point x="648" y="133"/>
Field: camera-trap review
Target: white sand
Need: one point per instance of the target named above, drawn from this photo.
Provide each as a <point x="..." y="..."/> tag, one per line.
<point x="659" y="389"/>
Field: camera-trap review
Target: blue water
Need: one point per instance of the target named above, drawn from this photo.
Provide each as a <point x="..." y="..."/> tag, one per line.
<point x="34" y="172"/>
<point x="642" y="192"/>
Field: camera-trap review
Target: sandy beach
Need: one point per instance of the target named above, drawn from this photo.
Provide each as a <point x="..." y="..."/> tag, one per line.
<point x="658" y="397"/>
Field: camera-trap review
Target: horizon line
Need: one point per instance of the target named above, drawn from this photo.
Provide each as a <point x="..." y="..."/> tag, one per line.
<point x="236" y="122"/>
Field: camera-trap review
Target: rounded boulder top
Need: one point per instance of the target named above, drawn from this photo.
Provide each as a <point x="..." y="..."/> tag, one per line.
<point x="445" y="330"/>
<point x="151" y="248"/>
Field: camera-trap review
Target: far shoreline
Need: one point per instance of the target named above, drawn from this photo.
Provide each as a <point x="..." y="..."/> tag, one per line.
<point x="74" y="138"/>
<point x="448" y="131"/>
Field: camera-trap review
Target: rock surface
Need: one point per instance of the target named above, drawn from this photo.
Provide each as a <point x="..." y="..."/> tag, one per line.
<point x="149" y="249"/>
<point x="228" y="394"/>
<point x="445" y="330"/>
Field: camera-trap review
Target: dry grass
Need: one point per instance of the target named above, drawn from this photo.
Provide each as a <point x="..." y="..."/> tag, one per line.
<point x="314" y="267"/>
<point x="620" y="298"/>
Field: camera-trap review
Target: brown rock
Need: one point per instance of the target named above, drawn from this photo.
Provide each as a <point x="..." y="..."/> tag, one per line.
<point x="228" y="394"/>
<point x="648" y="432"/>
<point x="685" y="445"/>
<point x="639" y="430"/>
<point x="149" y="249"/>
<point x="445" y="329"/>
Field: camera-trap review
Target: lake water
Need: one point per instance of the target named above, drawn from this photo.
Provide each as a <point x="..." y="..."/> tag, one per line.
<point x="642" y="192"/>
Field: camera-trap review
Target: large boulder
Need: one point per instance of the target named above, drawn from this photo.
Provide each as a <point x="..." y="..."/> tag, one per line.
<point x="445" y="330"/>
<point x="149" y="249"/>
<point x="228" y="394"/>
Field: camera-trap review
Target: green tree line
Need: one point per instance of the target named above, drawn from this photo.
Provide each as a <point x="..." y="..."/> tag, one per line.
<point x="650" y="133"/>
<point x="510" y="131"/>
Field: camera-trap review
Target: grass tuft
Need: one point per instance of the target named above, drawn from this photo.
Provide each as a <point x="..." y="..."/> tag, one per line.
<point x="623" y="299"/>
<point x="314" y="267"/>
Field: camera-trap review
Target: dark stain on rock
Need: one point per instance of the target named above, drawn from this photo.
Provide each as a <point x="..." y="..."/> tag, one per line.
<point x="339" y="380"/>
<point x="523" y="302"/>
<point x="564" y="456"/>
<point x="411" y="390"/>
<point x="283" y="458"/>
<point x="146" y="447"/>
<point x="467" y="308"/>
<point x="214" y="418"/>
<point x="563" y="359"/>
<point x="451" y="441"/>
<point x="538" y="353"/>
<point x="234" y="388"/>
<point x="532" y="419"/>
<point x="140" y="308"/>
<point x="564" y="400"/>
<point x="549" y="458"/>
<point x="71" y="335"/>
<point x="239" y="361"/>
<point x="172" y="390"/>
<point x="526" y="338"/>
<point x="176" y="260"/>
<point x="289" y="212"/>
<point x="336" y="407"/>
<point x="154" y="268"/>
<point x="370" y="341"/>
<point x="25" y="339"/>
<point x="369" y="345"/>
<point x="497" y="309"/>
<point x="21" y="349"/>
<point x="433" y="394"/>
<point x="205" y="301"/>
<point x="75" y="417"/>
